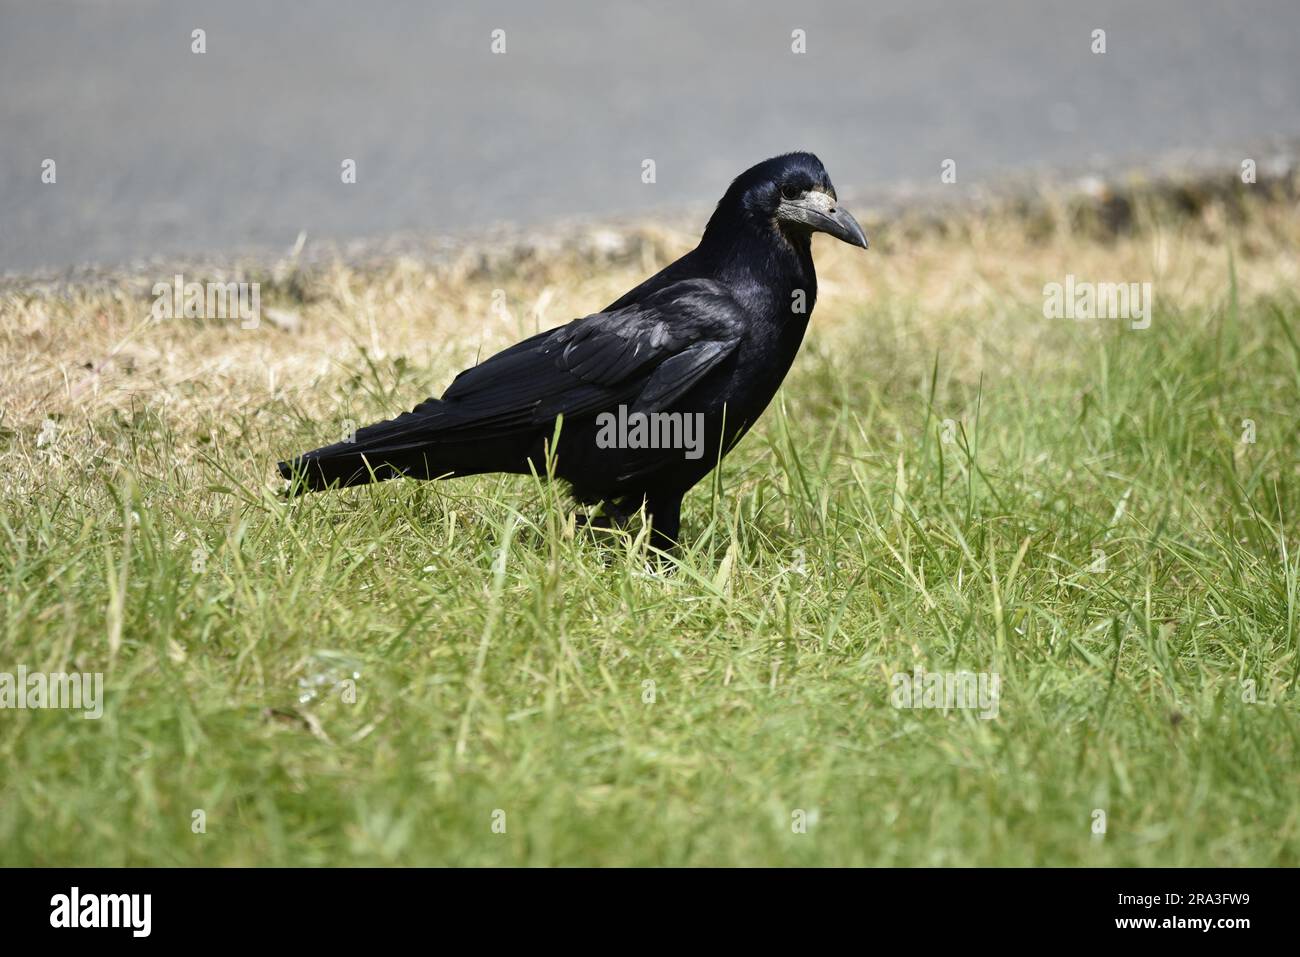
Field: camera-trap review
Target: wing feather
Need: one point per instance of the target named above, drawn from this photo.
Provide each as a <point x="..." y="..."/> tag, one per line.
<point x="649" y="353"/>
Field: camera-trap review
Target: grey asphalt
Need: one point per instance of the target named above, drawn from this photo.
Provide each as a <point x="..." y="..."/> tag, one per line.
<point x="161" y="151"/>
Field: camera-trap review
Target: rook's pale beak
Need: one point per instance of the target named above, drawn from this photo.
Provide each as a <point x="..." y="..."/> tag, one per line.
<point x="821" y="213"/>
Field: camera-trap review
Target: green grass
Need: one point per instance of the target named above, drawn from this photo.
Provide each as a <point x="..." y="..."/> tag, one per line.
<point x="505" y="663"/>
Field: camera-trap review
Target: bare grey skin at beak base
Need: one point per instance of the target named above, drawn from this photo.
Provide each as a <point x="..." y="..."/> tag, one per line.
<point x="820" y="212"/>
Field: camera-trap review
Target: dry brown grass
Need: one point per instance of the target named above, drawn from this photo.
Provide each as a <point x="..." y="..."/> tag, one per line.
<point x="78" y="355"/>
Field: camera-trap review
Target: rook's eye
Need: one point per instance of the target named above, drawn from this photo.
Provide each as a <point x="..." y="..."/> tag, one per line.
<point x="790" y="192"/>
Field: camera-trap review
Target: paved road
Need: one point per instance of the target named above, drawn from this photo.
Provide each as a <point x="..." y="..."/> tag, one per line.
<point x="161" y="151"/>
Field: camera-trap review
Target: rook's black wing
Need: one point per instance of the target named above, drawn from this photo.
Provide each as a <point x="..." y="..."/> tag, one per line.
<point x="647" y="355"/>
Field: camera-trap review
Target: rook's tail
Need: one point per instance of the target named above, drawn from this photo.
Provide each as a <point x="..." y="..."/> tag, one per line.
<point x="406" y="445"/>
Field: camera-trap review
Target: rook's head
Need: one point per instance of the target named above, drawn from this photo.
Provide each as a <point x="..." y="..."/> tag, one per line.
<point x="794" y="195"/>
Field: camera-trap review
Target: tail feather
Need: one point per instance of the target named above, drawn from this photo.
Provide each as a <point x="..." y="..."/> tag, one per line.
<point x="406" y="445"/>
<point x="435" y="440"/>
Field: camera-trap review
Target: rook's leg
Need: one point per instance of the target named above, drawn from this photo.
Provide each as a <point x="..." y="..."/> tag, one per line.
<point x="615" y="515"/>
<point x="665" y="510"/>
